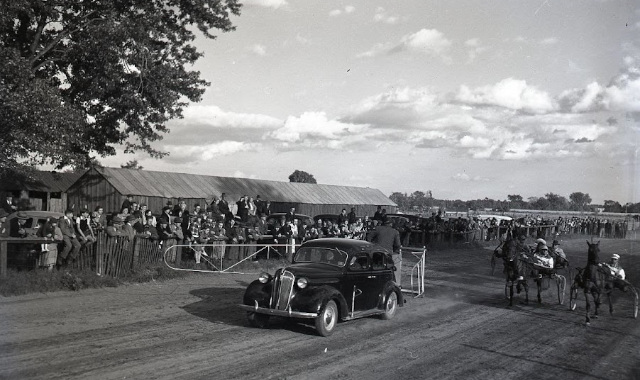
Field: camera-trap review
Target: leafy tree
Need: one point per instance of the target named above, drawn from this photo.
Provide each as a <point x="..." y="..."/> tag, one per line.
<point x="133" y="164"/>
<point x="515" y="201"/>
<point x="556" y="202"/>
<point x="400" y="199"/>
<point x="79" y="77"/>
<point x="579" y="201"/>
<point x="612" y="206"/>
<point x="301" y="176"/>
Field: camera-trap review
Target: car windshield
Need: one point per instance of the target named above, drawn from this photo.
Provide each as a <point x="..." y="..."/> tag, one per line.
<point x="329" y="256"/>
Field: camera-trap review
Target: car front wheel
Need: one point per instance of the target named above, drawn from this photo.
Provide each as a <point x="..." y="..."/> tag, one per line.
<point x="390" y="306"/>
<point x="326" y="321"/>
<point x="257" y="320"/>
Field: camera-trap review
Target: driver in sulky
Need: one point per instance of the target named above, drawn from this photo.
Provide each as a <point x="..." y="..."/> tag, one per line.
<point x="617" y="272"/>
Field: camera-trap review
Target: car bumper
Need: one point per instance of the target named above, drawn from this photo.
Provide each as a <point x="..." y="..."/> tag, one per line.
<point x="279" y="313"/>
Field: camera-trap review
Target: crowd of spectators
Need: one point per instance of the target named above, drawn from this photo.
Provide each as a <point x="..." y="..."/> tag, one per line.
<point x="216" y="226"/>
<point x="492" y="228"/>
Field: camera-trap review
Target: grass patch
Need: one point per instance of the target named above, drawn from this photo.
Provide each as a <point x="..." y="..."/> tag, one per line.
<point x="43" y="281"/>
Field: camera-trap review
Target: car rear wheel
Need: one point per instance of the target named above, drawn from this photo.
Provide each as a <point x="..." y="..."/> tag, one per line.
<point x="326" y="321"/>
<point x="258" y="320"/>
<point x="390" y="306"/>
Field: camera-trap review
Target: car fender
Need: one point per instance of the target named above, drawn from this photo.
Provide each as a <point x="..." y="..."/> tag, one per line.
<point x="390" y="287"/>
<point x="314" y="299"/>
<point x="257" y="291"/>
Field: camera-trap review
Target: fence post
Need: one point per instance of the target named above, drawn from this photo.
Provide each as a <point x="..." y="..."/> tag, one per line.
<point x="3" y="258"/>
<point x="136" y="252"/>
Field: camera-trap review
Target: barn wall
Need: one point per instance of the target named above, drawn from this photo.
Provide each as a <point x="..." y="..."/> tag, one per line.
<point x="92" y="190"/>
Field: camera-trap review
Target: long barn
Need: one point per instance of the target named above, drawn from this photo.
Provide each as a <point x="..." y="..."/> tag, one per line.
<point x="108" y="187"/>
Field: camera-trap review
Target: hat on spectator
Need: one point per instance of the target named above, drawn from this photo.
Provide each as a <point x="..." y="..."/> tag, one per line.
<point x="555" y="242"/>
<point x="117" y="219"/>
<point x="615" y="256"/>
<point x="165" y="208"/>
<point x="22" y="215"/>
<point x="131" y="218"/>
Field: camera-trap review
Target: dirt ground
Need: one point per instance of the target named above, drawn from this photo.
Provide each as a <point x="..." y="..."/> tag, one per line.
<point x="191" y="328"/>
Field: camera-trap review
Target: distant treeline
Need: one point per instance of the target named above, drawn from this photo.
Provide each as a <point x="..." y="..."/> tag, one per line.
<point x="421" y="201"/>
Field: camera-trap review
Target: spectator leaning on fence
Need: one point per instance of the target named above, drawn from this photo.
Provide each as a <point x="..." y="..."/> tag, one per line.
<point x="71" y="244"/>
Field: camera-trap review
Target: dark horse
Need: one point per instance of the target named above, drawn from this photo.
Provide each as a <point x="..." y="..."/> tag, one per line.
<point x="593" y="280"/>
<point x="514" y="270"/>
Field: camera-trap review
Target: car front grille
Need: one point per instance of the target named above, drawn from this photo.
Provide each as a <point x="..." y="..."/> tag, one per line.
<point x="282" y="289"/>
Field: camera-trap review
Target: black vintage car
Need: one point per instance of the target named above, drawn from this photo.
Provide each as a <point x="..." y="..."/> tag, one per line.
<point x="329" y="280"/>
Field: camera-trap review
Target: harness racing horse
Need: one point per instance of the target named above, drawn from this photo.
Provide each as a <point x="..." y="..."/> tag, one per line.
<point x="514" y="270"/>
<point x="593" y="280"/>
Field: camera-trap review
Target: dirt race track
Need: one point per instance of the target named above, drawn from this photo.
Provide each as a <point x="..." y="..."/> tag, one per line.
<point x="191" y="328"/>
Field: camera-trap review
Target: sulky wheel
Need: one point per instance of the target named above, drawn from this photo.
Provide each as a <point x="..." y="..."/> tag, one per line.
<point x="634" y="293"/>
<point x="573" y="297"/>
<point x="561" y="282"/>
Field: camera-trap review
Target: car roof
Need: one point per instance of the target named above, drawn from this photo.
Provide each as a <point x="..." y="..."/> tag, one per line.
<point x="281" y="214"/>
<point x="37" y="214"/>
<point x="343" y="244"/>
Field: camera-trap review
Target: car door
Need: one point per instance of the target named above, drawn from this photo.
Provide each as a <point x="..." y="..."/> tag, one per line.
<point x="357" y="282"/>
<point x="381" y="273"/>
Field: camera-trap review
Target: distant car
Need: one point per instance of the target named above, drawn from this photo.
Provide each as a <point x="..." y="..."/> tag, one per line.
<point x="24" y="255"/>
<point x="276" y="216"/>
<point x="329" y="280"/>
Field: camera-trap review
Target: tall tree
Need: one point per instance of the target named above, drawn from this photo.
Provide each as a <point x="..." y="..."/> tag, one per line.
<point x="301" y="176"/>
<point x="132" y="164"/>
<point x="80" y="77"/>
<point x="579" y="201"/>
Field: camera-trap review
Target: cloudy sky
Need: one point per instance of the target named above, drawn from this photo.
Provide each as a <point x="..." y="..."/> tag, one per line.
<point x="468" y="99"/>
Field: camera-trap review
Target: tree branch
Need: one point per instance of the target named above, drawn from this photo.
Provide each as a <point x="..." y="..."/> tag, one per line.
<point x="62" y="35"/>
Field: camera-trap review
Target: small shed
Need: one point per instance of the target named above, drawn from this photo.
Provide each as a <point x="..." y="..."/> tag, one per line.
<point x="41" y="190"/>
<point x="108" y="187"/>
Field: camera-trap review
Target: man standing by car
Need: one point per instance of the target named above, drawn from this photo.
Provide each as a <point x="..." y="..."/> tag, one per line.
<point x="389" y="238"/>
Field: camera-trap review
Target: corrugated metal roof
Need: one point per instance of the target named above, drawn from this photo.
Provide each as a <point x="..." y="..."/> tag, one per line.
<point x="52" y="182"/>
<point x="175" y="185"/>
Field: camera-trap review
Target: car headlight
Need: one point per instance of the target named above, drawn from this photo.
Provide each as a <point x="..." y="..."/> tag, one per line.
<point x="302" y="282"/>
<point x="264" y="277"/>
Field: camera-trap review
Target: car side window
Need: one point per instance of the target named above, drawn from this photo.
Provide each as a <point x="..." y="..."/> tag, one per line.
<point x="359" y="262"/>
<point x="378" y="261"/>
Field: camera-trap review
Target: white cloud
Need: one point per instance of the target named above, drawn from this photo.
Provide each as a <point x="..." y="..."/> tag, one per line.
<point x="427" y="41"/>
<point x="382" y="16"/>
<point x="302" y="40"/>
<point x="315" y="129"/>
<point x="346" y="10"/>
<point x="509" y="93"/>
<point x="258" y="49"/>
<point x="464" y="177"/>
<point x="275" y="4"/>
<point x="216" y="117"/>
<point x="474" y="48"/>
<point x="240" y="174"/>
<point x="430" y="41"/>
<point x="549" y="41"/>
<point x="198" y="153"/>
